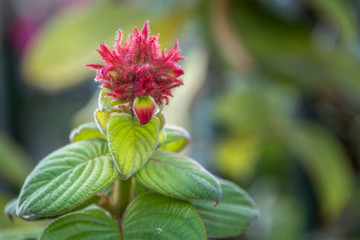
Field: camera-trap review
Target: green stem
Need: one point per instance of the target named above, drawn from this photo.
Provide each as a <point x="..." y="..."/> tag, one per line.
<point x="121" y="196"/>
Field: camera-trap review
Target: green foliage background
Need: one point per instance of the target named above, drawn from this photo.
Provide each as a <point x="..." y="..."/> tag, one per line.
<point x="271" y="97"/>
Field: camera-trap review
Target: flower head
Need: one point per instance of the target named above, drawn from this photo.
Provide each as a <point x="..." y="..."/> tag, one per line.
<point x="138" y="68"/>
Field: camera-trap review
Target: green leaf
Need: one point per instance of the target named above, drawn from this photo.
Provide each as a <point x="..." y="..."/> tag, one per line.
<point x="339" y="15"/>
<point x="153" y="216"/>
<point x="66" y="178"/>
<point x="327" y="164"/>
<point x="105" y="103"/>
<point x="86" y="224"/>
<point x="14" y="163"/>
<point x="180" y="177"/>
<point x="85" y="131"/>
<point x="130" y="143"/>
<point x="101" y="119"/>
<point x="231" y="216"/>
<point x="176" y="139"/>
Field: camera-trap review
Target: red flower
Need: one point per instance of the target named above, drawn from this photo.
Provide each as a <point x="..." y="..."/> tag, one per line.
<point x="138" y="68"/>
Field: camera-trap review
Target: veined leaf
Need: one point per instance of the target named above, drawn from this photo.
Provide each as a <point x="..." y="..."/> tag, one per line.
<point x="153" y="216"/>
<point x="88" y="224"/>
<point x="176" y="139"/>
<point x="66" y="178"/>
<point x="130" y="143"/>
<point x="180" y="177"/>
<point x="231" y="216"/>
<point x="10" y="209"/>
<point x="85" y="131"/>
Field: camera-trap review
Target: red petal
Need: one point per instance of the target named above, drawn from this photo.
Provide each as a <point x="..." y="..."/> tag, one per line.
<point x="94" y="66"/>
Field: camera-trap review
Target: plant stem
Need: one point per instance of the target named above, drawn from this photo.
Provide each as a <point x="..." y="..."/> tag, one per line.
<point x="121" y="195"/>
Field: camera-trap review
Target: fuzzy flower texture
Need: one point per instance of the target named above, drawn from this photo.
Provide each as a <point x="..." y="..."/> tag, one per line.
<point x="138" y="70"/>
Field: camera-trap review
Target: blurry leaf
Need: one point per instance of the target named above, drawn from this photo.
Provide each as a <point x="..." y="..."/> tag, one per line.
<point x="231" y="216"/>
<point x="176" y="139"/>
<point x="340" y="15"/>
<point x="292" y="55"/>
<point x="256" y="107"/>
<point x="23" y="233"/>
<point x="92" y="223"/>
<point x="66" y="178"/>
<point x="86" y="114"/>
<point x="288" y="213"/>
<point x="130" y="143"/>
<point x="237" y="157"/>
<point x="56" y="58"/>
<point x="252" y="110"/>
<point x="283" y="217"/>
<point x="85" y="131"/>
<point x="180" y="177"/>
<point x="327" y="165"/>
<point x="230" y="46"/>
<point x="256" y="27"/>
<point x="154" y="216"/>
<point x="14" y="164"/>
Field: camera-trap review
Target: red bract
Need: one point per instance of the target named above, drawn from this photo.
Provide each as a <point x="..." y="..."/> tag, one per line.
<point x="139" y="68"/>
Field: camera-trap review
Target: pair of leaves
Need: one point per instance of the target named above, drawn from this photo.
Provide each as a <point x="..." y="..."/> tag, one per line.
<point x="153" y="216"/>
<point x="73" y="174"/>
<point x="42" y="189"/>
<point x="130" y="142"/>
<point x="131" y="145"/>
<point x="150" y="216"/>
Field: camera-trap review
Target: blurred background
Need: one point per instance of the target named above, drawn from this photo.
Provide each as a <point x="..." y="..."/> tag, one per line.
<point x="271" y="98"/>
